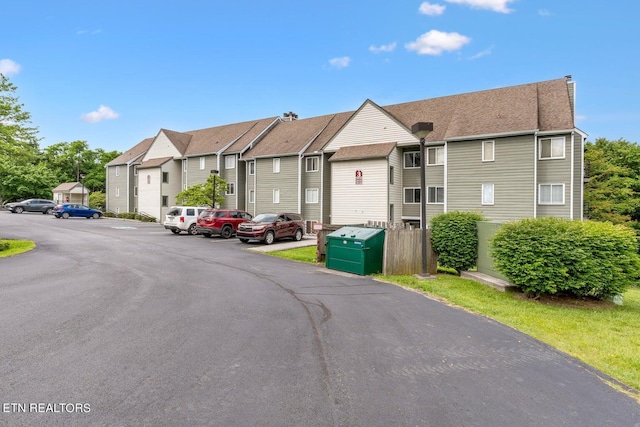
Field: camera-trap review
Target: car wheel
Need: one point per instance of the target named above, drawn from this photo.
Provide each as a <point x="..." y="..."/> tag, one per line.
<point x="65" y="215"/>
<point x="174" y="231"/>
<point x="19" y="210"/>
<point x="96" y="215"/>
<point x="244" y="240"/>
<point x="226" y="232"/>
<point x="269" y="238"/>
<point x="49" y="211"/>
<point x="298" y="236"/>
<point x="192" y="230"/>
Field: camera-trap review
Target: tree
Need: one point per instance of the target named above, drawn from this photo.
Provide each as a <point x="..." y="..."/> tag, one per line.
<point x="613" y="190"/>
<point x="202" y="194"/>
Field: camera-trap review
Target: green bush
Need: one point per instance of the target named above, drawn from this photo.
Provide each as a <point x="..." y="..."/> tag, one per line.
<point x="551" y="255"/>
<point x="454" y="237"/>
<point x="4" y="245"/>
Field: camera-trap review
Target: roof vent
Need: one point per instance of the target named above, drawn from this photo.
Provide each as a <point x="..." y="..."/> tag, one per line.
<point x="290" y="116"/>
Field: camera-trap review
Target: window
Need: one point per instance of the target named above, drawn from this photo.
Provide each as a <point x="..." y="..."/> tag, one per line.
<point x="435" y="195"/>
<point x="313" y="164"/>
<point x="391" y="174"/>
<point x="231" y="189"/>
<point x="487" y="194"/>
<point x="165" y="177"/>
<point x="117" y="191"/>
<point x="311" y="195"/>
<point x="148" y="179"/>
<point x="184" y="165"/>
<point x="552" y="148"/>
<point x="202" y="163"/>
<point x="411" y="159"/>
<point x="135" y="170"/>
<point x="252" y="196"/>
<point x="252" y="168"/>
<point x="165" y="201"/>
<point x="135" y="191"/>
<point x="411" y="195"/>
<point x="551" y="194"/>
<point x="229" y="162"/>
<point x="276" y="165"/>
<point x="488" y="151"/>
<point x="117" y="170"/>
<point x="435" y="156"/>
<point x="276" y="195"/>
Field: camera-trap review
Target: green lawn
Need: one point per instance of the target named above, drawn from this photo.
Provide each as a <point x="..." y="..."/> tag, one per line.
<point x="601" y="334"/>
<point x="16" y="247"/>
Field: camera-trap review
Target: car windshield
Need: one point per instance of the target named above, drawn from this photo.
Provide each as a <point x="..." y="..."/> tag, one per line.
<point x="265" y="218"/>
<point x="174" y="212"/>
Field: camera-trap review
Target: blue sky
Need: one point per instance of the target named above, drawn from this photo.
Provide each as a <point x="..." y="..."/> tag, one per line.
<point x="115" y="72"/>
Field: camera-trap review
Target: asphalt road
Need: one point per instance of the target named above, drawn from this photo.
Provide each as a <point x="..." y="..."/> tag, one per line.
<point x="117" y="323"/>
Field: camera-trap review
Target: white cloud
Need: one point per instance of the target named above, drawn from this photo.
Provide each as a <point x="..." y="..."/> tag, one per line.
<point x="431" y="9"/>
<point x="483" y="53"/>
<point x="9" y="67"/>
<point x="383" y="48"/>
<point x="341" y="62"/>
<point x="102" y="113"/>
<point x="435" y="42"/>
<point x="495" y="5"/>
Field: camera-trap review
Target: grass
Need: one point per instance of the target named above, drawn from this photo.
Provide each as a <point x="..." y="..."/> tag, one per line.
<point x="16" y="247"/>
<point x="600" y="334"/>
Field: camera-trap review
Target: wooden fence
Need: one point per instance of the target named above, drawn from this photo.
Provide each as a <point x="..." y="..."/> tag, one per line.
<point x="402" y="248"/>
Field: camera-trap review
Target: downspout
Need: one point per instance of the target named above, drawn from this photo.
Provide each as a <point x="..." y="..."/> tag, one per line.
<point x="535" y="174"/>
<point x="572" y="178"/>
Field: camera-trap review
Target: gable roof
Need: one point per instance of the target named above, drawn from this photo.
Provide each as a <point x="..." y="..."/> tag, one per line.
<point x="180" y="140"/>
<point x="361" y="152"/>
<point x="154" y="163"/>
<point x="214" y="139"/>
<point x="336" y="123"/>
<point x="530" y="107"/>
<point x="132" y="154"/>
<point x="66" y="186"/>
<point x="290" y="137"/>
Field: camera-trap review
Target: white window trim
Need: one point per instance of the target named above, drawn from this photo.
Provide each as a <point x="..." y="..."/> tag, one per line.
<point x="117" y="191"/>
<point x="308" y="191"/>
<point x="404" y="195"/>
<point x="550" y="202"/>
<point x="232" y="186"/>
<point x="135" y="170"/>
<point x="252" y="167"/>
<point x="314" y="160"/>
<point x="552" y="157"/>
<point x="493" y="195"/>
<point x="276" y="195"/>
<point x="434" y="148"/>
<point x="202" y="163"/>
<point x="276" y="165"/>
<point x="252" y="196"/>
<point x="230" y="162"/>
<point x="493" y="151"/>
<point x="184" y="165"/>
<point x="117" y="170"/>
<point x="404" y="163"/>
<point x="436" y="187"/>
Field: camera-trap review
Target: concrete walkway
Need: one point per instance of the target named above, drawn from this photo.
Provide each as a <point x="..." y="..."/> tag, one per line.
<point x="281" y="245"/>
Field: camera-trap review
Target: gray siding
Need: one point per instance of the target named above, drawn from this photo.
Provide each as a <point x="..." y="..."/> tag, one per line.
<point x="194" y="174"/>
<point x="286" y="181"/>
<point x="434" y="176"/>
<point x="311" y="211"/>
<point x="556" y="171"/>
<point x="326" y="189"/>
<point x="117" y="203"/>
<point x="250" y="185"/>
<point x="512" y="173"/>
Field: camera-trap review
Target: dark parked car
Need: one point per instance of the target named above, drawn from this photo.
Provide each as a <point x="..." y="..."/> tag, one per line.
<point x="223" y="222"/>
<point x="32" y="205"/>
<point x="268" y="227"/>
<point x="67" y="210"/>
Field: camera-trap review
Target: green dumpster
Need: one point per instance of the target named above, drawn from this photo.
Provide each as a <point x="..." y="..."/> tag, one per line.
<point x="356" y="250"/>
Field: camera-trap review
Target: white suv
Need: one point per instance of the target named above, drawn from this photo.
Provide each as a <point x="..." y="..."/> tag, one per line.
<point x="183" y="218"/>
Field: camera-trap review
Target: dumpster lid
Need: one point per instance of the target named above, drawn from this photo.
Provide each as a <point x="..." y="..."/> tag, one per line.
<point x="350" y="232"/>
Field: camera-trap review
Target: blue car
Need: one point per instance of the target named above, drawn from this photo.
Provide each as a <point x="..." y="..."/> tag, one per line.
<point x="67" y="210"/>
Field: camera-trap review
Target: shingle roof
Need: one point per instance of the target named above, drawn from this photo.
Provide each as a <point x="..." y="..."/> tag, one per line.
<point x="536" y="106"/>
<point x="132" y="153"/>
<point x="290" y="137"/>
<point x="154" y="163"/>
<point x="212" y="140"/>
<point x="65" y="186"/>
<point x="180" y="140"/>
<point x="360" y="152"/>
<point x="337" y="121"/>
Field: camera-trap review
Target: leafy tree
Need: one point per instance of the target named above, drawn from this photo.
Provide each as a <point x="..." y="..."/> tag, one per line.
<point x="97" y="200"/>
<point x="613" y="191"/>
<point x="201" y="194"/>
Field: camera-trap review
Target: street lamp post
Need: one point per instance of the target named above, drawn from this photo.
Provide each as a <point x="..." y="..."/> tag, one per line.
<point x="82" y="177"/>
<point x="421" y="130"/>
<point x="214" y="172"/>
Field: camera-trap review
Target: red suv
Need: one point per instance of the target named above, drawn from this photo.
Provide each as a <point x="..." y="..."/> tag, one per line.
<point x="268" y="227"/>
<point x="221" y="221"/>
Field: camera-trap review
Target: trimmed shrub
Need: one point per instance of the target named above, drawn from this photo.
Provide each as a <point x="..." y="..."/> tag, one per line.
<point x="4" y="245"/>
<point x="454" y="237"/>
<point x="552" y="255"/>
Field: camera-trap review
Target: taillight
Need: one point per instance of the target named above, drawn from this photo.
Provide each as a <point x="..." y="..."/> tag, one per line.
<point x="181" y="219"/>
